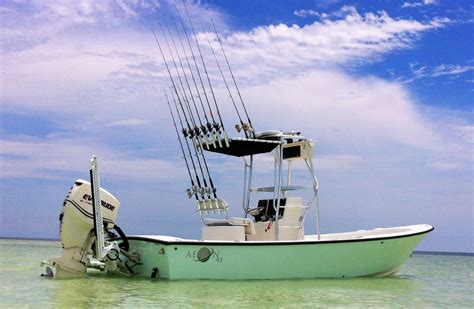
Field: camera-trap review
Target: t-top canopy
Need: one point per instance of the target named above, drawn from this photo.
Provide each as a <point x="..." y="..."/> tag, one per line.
<point x="240" y="147"/>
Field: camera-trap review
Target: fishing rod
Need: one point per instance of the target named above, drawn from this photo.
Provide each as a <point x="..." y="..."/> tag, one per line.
<point x="204" y="66"/>
<point x="193" y="190"/>
<point x="188" y="110"/>
<point x="179" y="77"/>
<point x="222" y="74"/>
<point x="194" y="58"/>
<point x="233" y="78"/>
<point x="204" y="129"/>
<point x="191" y="115"/>
<point x="199" y="162"/>
<point x="216" y="126"/>
<point x="186" y="132"/>
<point x="201" y="189"/>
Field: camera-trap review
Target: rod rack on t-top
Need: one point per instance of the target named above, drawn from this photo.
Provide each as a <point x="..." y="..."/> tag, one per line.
<point x="192" y="103"/>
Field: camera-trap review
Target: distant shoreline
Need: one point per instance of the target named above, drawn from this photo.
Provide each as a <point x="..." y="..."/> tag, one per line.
<point x="414" y="252"/>
<point x="443" y="253"/>
<point x="28" y="238"/>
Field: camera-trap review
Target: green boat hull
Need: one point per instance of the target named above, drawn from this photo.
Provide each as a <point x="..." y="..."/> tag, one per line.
<point x="183" y="259"/>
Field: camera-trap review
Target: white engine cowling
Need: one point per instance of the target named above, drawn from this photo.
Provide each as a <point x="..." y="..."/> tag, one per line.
<point x="77" y="218"/>
<point x="81" y="226"/>
<point x="77" y="231"/>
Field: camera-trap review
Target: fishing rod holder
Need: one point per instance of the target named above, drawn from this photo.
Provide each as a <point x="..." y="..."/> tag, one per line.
<point x="187" y="133"/>
<point x="199" y="190"/>
<point x="246" y="127"/>
<point x="214" y="205"/>
<point x="191" y="191"/>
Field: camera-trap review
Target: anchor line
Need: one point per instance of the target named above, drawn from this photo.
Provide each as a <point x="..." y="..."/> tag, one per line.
<point x="222" y="74"/>
<point x="215" y="125"/>
<point x="186" y="100"/>
<point x="188" y="131"/>
<point x="233" y="78"/>
<point x="202" y="60"/>
<point x="213" y="188"/>
<point x="186" y="78"/>
<point x="193" y="185"/>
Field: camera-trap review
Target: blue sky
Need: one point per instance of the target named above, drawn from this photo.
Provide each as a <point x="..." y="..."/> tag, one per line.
<point x="386" y="88"/>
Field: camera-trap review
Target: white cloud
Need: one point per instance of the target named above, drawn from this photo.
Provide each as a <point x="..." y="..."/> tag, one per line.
<point x="418" y="72"/>
<point x="418" y="4"/>
<point x="65" y="74"/>
<point x="199" y="12"/>
<point x="25" y="25"/>
<point x="59" y="157"/>
<point x="352" y="39"/>
<point x="450" y="69"/>
<point x="337" y="162"/>
<point x="422" y="71"/>
<point x="361" y="112"/>
<point x="129" y="60"/>
<point x="466" y="132"/>
<point x="445" y="166"/>
<point x="113" y="74"/>
<point x="368" y="120"/>
<point x="304" y="13"/>
<point x="356" y="121"/>
<point x="85" y="62"/>
<point x="127" y="123"/>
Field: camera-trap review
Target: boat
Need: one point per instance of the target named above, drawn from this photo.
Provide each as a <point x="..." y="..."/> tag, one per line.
<point x="267" y="242"/>
<point x="260" y="245"/>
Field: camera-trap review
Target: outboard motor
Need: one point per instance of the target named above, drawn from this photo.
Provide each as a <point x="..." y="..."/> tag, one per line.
<point x="78" y="236"/>
<point x="77" y="217"/>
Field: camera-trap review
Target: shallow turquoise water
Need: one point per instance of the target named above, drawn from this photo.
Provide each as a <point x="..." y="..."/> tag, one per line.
<point x="425" y="280"/>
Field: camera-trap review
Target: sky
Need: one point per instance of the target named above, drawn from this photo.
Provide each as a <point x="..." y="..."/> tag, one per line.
<point x="384" y="87"/>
